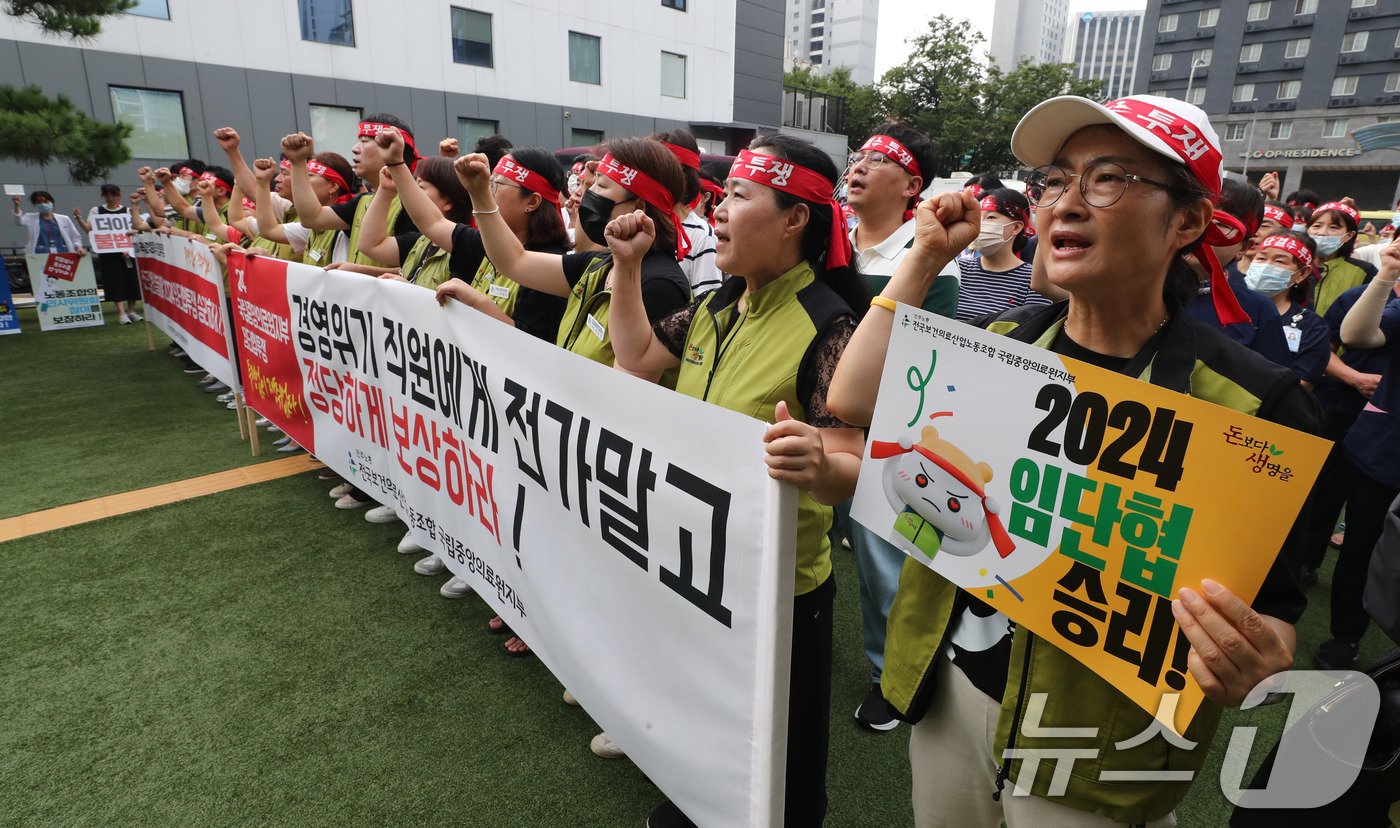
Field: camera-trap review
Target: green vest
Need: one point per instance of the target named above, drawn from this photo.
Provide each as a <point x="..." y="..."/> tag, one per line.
<point x="426" y="264"/>
<point x="362" y="207"/>
<point x="281" y="251"/>
<point x="1338" y="277"/>
<point x="319" y="247"/>
<point x="584" y="328"/>
<point x="748" y="361"/>
<point x="1190" y="359"/>
<point x="502" y="290"/>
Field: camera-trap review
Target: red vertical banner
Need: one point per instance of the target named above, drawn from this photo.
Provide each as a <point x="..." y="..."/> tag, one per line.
<point x="267" y="357"/>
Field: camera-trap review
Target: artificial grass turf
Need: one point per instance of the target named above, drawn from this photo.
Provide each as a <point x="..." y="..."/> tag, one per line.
<point x="92" y="412"/>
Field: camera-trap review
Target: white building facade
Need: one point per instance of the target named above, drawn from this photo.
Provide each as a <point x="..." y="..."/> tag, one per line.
<point x="825" y="34"/>
<point x="1028" y="29"/>
<point x="1103" y="46"/>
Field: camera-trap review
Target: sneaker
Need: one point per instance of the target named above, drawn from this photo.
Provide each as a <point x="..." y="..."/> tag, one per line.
<point x="455" y="588"/>
<point x="431" y="565"/>
<point x="134" y="316"/>
<point x="281" y="441"/>
<point x="191" y="367"/>
<point x="172" y="348"/>
<point x="207" y="381"/>
<point x="232" y="405"/>
<point x="262" y="422"/>
<point x="178" y="352"/>
<point x="342" y="490"/>
<point x="1307" y="577"/>
<point x="874" y="712"/>
<point x="570" y="700"/>
<point x="603" y="746"/>
<point x="225" y="397"/>
<point x="407" y="545"/>
<point x="349" y="502"/>
<point x="272" y="429"/>
<point x="327" y="474"/>
<point x="290" y="448"/>
<point x="381" y="514"/>
<point x="1336" y="654"/>
<point x="217" y="388"/>
<point x="123" y="320"/>
<point x="667" y="815"/>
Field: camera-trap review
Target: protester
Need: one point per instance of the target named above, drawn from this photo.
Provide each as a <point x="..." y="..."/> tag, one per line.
<point x="116" y="271"/>
<point x="1152" y="202"/>
<point x="243" y="215"/>
<point x="49" y="232"/>
<point x="1333" y="228"/>
<point x="781" y="240"/>
<point x="1275" y="219"/>
<point x="331" y="180"/>
<point x="996" y="278"/>
<point x="699" y="262"/>
<point x="1282" y="270"/>
<point x="1372" y="445"/>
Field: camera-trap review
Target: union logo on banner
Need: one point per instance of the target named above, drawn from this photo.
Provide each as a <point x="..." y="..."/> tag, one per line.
<point x="61" y="266"/>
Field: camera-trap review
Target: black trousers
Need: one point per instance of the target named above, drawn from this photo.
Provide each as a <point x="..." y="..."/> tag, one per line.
<point x="809" y="707"/>
<point x="1329" y="493"/>
<point x="1368" y="500"/>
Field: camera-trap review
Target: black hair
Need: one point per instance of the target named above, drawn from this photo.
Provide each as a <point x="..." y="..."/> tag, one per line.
<point x="110" y="190"/>
<point x="1243" y="201"/>
<point x="987" y="181"/>
<point x="713" y="202"/>
<point x="682" y="138"/>
<point x="845" y="281"/>
<point x="224" y="174"/>
<point x="439" y="172"/>
<point x="1183" y="283"/>
<point x="346" y="170"/>
<point x="1301" y="214"/>
<point x="1299" y="293"/>
<point x="1303" y="197"/>
<point x="545" y="229"/>
<point x="196" y="167"/>
<point x="409" y="153"/>
<point x="1017" y="207"/>
<point x="1348" y="222"/>
<point x="922" y="147"/>
<point x="38" y="194"/>
<point x="494" y="147"/>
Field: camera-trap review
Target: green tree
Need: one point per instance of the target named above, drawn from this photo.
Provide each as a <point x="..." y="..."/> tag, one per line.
<point x="938" y="90"/>
<point x="1008" y="96"/>
<point x="864" y="107"/>
<point x="41" y="130"/>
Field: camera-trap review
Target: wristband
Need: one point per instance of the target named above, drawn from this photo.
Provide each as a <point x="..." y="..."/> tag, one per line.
<point x="883" y="302"/>
<point x="396" y="164"/>
<point x="487" y="212"/>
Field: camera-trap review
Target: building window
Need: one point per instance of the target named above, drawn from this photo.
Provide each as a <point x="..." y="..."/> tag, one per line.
<point x="1392" y="82"/>
<point x="471" y="37"/>
<point x="1251" y="53"/>
<point x="1297" y="48"/>
<point x="1235" y="132"/>
<point x="471" y="130"/>
<point x="327" y="21"/>
<point x="335" y="128"/>
<point x="1334" y="128"/>
<point x="585" y="58"/>
<point x="1162" y="62"/>
<point x="672" y="75"/>
<point x="1259" y="11"/>
<point x="1355" y="41"/>
<point x="1244" y="93"/>
<point x="1207" y="18"/>
<point x="158" y="9"/>
<point x="157" y="122"/>
<point x="1201" y="58"/>
<point x="1196" y="96"/>
<point x="1280" y="130"/>
<point x="1288" y="90"/>
<point x="1304" y="6"/>
<point x="585" y="137"/>
<point x="1167" y="23"/>
<point x="1361" y="4"/>
<point x="1344" y="86"/>
<point x="678" y="5"/>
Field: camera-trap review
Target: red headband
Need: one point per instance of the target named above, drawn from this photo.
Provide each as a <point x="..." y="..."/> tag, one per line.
<point x="286" y="165"/>
<point x="1345" y="209"/>
<point x="249" y="205"/>
<point x="808" y="185"/>
<point x="217" y="183"/>
<point x="989" y="204"/>
<point x="369" y="129"/>
<point x="880" y="450"/>
<point x="1230" y="228"/>
<point x="651" y="191"/>
<point x="686" y="157"/>
<point x="707" y="186"/>
<point x="317" y="168"/>
<point x="893" y="150"/>
<point x="527" y="178"/>
<point x="1278" y="215"/>
<point x="1292" y="247"/>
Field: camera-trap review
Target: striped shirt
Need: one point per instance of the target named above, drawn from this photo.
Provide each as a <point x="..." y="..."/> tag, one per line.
<point x="699" y="263"/>
<point x="983" y="291"/>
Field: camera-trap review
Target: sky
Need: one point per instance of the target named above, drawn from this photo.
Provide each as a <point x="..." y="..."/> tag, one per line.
<point x="900" y="19"/>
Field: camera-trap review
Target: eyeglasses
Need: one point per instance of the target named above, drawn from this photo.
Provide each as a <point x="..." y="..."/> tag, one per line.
<point x="497" y="183"/>
<point x="1101" y="185"/>
<point x="871" y="158"/>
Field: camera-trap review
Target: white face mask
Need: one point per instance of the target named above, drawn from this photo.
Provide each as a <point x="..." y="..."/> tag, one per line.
<point x="992" y="237"/>
<point x="183" y="185"/>
<point x="1268" y="279"/>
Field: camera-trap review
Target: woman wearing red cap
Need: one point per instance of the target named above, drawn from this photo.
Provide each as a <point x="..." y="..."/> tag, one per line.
<point x="765" y="344"/>
<point x="1130" y="179"/>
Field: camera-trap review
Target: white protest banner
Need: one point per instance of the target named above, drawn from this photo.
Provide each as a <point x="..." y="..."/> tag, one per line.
<point x="182" y="287"/>
<point x="111" y="233"/>
<point x="1074" y="499"/>
<point x="629" y="534"/>
<point x="65" y="291"/>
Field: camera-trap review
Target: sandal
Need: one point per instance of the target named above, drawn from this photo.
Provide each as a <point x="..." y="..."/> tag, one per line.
<point x="525" y="653"/>
<point x="496" y="625"/>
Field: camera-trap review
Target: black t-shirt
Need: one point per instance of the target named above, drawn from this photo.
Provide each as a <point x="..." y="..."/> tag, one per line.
<point x="346" y="212"/>
<point x="665" y="288"/>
